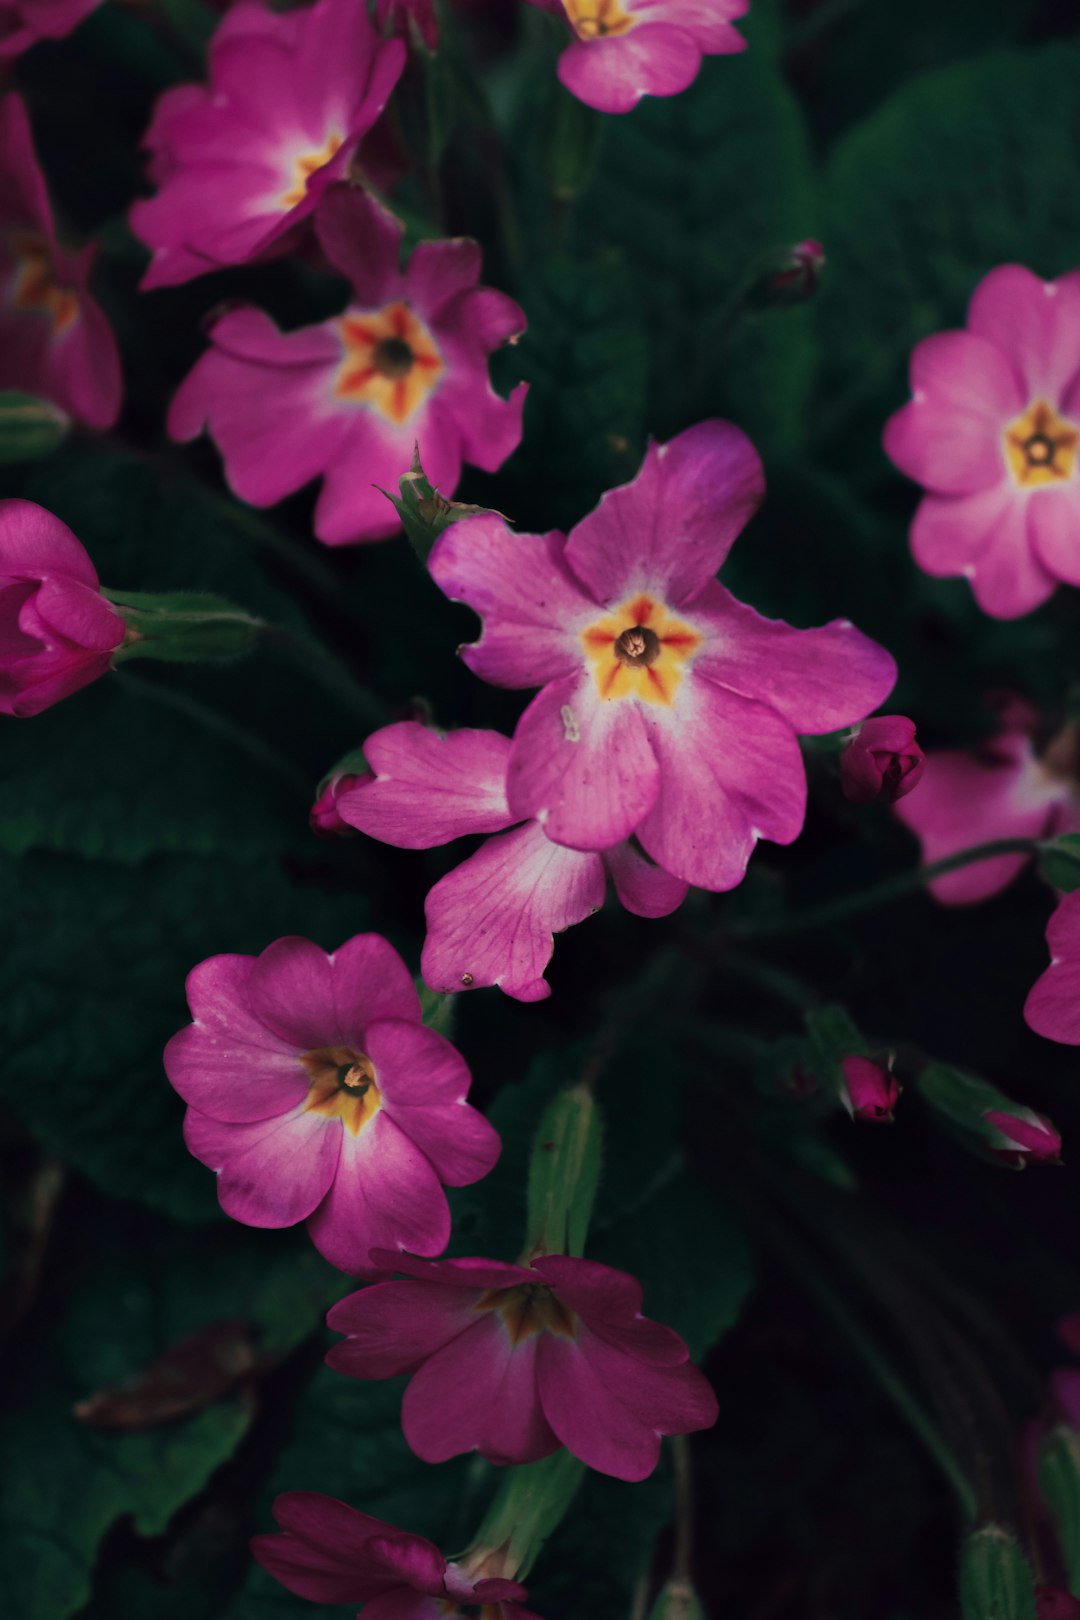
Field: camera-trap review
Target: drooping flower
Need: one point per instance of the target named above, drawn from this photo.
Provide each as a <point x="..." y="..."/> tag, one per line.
<point x="491" y="920"/>
<point x="24" y="22"/>
<point x="1026" y="1137"/>
<point x="669" y="709"/>
<point x="241" y="162"/>
<point x="54" y="341"/>
<point x="349" y="400"/>
<point x="515" y="1360"/>
<point x="1005" y="789"/>
<point x="882" y="761"/>
<point x="870" y="1090"/>
<point x="411" y="19"/>
<point x="625" y="49"/>
<point x="329" y="1553"/>
<point x="57" y="632"/>
<point x="992" y="433"/>
<point x="317" y="1094"/>
<point x="1053" y="1004"/>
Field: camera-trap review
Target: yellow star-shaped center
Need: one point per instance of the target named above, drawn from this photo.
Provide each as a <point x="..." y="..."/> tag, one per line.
<point x="342" y="1086"/>
<point x="639" y="649"/>
<point x="390" y="362"/>
<point x="1041" y="446"/>
<point x="36" y="288"/>
<point x="598" y="19"/>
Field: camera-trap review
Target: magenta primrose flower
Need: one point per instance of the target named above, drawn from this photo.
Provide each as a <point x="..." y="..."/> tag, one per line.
<point x="329" y="1553"/>
<point x="57" y="632"/>
<point x="24" y="22"/>
<point x="404" y="366"/>
<point x="514" y="1361"/>
<point x="669" y="710"/>
<point x="882" y="761"/>
<point x="992" y="434"/>
<point x="1053" y="1004"/>
<point x="491" y="920"/>
<point x="242" y="162"/>
<point x="316" y="1093"/>
<point x="625" y="49"/>
<point x="54" y="341"/>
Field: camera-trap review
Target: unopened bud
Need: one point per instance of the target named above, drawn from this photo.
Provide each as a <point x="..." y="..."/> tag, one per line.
<point x="995" y="1580"/>
<point x="1028" y="1137"/>
<point x="791" y="277"/>
<point x="988" y="1122"/>
<point x="325" y="817"/>
<point x="870" y="1090"/>
<point x="882" y="761"/>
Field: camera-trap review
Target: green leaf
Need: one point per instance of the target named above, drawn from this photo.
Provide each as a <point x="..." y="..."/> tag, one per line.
<point x="29" y="427"/>
<point x="563" y="1171"/>
<point x="1059" y="863"/>
<point x="1059" y="1477"/>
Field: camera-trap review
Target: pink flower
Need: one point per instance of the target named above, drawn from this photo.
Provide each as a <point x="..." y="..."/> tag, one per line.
<point x="992" y="434"/>
<point x="348" y="400"/>
<point x="241" y="163"/>
<point x="515" y="1360"/>
<point x="882" y="761"/>
<point x="329" y="1553"/>
<point x="491" y="920"/>
<point x="57" y="632"/>
<point x="669" y="710"/>
<point x="1054" y="1603"/>
<point x="54" y="340"/>
<point x="1053" y="1004"/>
<point x="24" y="22"/>
<point x="1028" y="1137"/>
<point x="1004" y="790"/>
<point x="411" y="19"/>
<point x="870" y="1091"/>
<point x="625" y="49"/>
<point x="325" y="817"/>
<point x="317" y="1094"/>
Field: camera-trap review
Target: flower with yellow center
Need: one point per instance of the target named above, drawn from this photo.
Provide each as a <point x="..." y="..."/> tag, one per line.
<point x="36" y="287"/>
<point x="342" y="1086"/>
<point x="307" y="164"/>
<point x="391" y="362"/>
<point x="528" y="1310"/>
<point x="598" y="19"/>
<point x="1041" y="446"/>
<point x="640" y="650"/>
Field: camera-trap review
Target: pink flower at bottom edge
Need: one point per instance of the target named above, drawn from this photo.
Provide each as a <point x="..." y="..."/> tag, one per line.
<point x="515" y="1360"/>
<point x="1052" y="1007"/>
<point x="491" y="920"/>
<point x="316" y="1094"/>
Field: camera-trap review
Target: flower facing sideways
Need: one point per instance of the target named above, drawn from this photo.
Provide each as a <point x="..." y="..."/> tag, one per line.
<point x="515" y="1360"/>
<point x="669" y="710"/>
<point x="405" y="366"/>
<point x="491" y="920"/>
<point x="316" y="1093"/>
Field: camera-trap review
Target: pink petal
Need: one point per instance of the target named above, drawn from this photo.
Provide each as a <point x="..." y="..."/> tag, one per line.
<point x="291" y="991"/>
<point x="326" y="1554"/>
<point x="24" y="199"/>
<point x="1053" y="1004"/>
<point x="370" y="982"/>
<point x="643" y="888"/>
<point x="429" y="786"/>
<point x="372" y="458"/>
<point x="474" y="1273"/>
<point x="79" y="615"/>
<point x="34" y="544"/>
<point x="1035" y="323"/>
<point x="478" y="1393"/>
<point x="424" y="1083"/>
<point x="1054" y="531"/>
<point x="385" y="1196"/>
<point x="613" y="74"/>
<point x="393" y="1327"/>
<point x="609" y="1303"/>
<point x="950" y="437"/>
<point x="271" y="1172"/>
<point x="985" y="538"/>
<point x="362" y="240"/>
<point x="441" y="270"/>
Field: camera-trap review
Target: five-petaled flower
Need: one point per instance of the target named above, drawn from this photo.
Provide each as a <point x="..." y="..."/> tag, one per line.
<point x="992" y="433"/>
<point x="669" y="709"/>
<point x="317" y="1094"/>
<point x="241" y="163"/>
<point x="404" y="367"/>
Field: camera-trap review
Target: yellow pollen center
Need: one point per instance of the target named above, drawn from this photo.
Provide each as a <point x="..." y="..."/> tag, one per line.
<point x="1041" y="446"/>
<point x="598" y="19"/>
<point x="342" y="1086"/>
<point x="527" y="1310"/>
<point x="639" y="650"/>
<point x="390" y="363"/>
<point x="36" y="288"/>
<point x="307" y="164"/>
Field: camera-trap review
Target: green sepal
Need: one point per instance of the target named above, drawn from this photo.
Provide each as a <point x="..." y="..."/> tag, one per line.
<point x="186" y="627"/>
<point x="528" y="1507"/>
<point x="563" y="1173"/>
<point x="351" y="764"/>
<point x="995" y="1581"/>
<point x="677" y="1600"/>
<point x="1059" y="863"/>
<point x="424" y="513"/>
<point x="29" y="427"/>
<point x="962" y="1101"/>
<point x="438" y="1011"/>
<point x="833" y="1037"/>
<point x="1059" y="1478"/>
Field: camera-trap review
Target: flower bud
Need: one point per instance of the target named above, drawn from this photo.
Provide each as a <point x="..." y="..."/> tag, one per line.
<point x="790" y="278"/>
<point x="988" y="1122"/>
<point x="325" y="817"/>
<point x="1054" y="1603"/>
<point x="1028" y="1137"/>
<point x="869" y="1090"/>
<point x="882" y="761"/>
<point x="994" y="1577"/>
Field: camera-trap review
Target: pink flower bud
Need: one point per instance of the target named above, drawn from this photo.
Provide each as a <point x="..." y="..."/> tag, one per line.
<point x="869" y="1091"/>
<point x="882" y="761"/>
<point x="326" y="819"/>
<point x="798" y="275"/>
<point x="1054" y="1603"/>
<point x="1030" y="1137"/>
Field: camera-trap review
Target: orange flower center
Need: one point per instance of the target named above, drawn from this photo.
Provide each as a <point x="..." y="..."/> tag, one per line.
<point x="528" y="1309"/>
<point x="1041" y="446"/>
<point x="36" y="288"/>
<point x="342" y="1086"/>
<point x="639" y="650"/>
<point x="391" y="362"/>
<point x="307" y="164"/>
<point x="598" y="19"/>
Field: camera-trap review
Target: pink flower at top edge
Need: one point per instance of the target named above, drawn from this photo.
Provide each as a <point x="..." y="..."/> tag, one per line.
<point x="1053" y="1004"/>
<point x="410" y="18"/>
<point x="329" y="1553"/>
<point x="491" y="920"/>
<point x="992" y="433"/>
<point x="241" y="162"/>
<point x="57" y="632"/>
<point x="515" y="1360"/>
<point x="882" y="761"/>
<point x="1002" y="790"/>
<point x="54" y="341"/>
<point x="870" y="1090"/>
<point x="317" y="1094"/>
<point x="669" y="709"/>
<point x="625" y="49"/>
<point x="405" y="365"/>
<point x="24" y="22"/>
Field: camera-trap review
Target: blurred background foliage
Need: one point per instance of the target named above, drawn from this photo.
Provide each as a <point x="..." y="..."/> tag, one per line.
<point x="162" y="816"/>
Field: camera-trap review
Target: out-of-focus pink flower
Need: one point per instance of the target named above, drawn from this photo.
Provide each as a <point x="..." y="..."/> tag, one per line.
<point x="882" y="761"/>
<point x="515" y="1360"/>
<point x="24" y="22"/>
<point x="405" y="366"/>
<point x="491" y="920"/>
<point x="325" y="817"/>
<point x="1028" y="1137"/>
<point x="410" y="18"/>
<point x="992" y="433"/>
<point x="329" y="1553"/>
<point x="241" y="163"/>
<point x="1002" y="790"/>
<point x="57" y="632"/>
<point x="625" y="49"/>
<point x="54" y="340"/>
<point x="669" y="710"/>
<point x="1054" y="1603"/>
<point x="870" y="1091"/>
<point x="317" y="1094"/>
<point x="1053" y="1004"/>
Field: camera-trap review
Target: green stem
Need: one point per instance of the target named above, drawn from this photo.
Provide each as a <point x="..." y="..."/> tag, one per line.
<point x="682" y="1558"/>
<point x="320" y="580"/>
